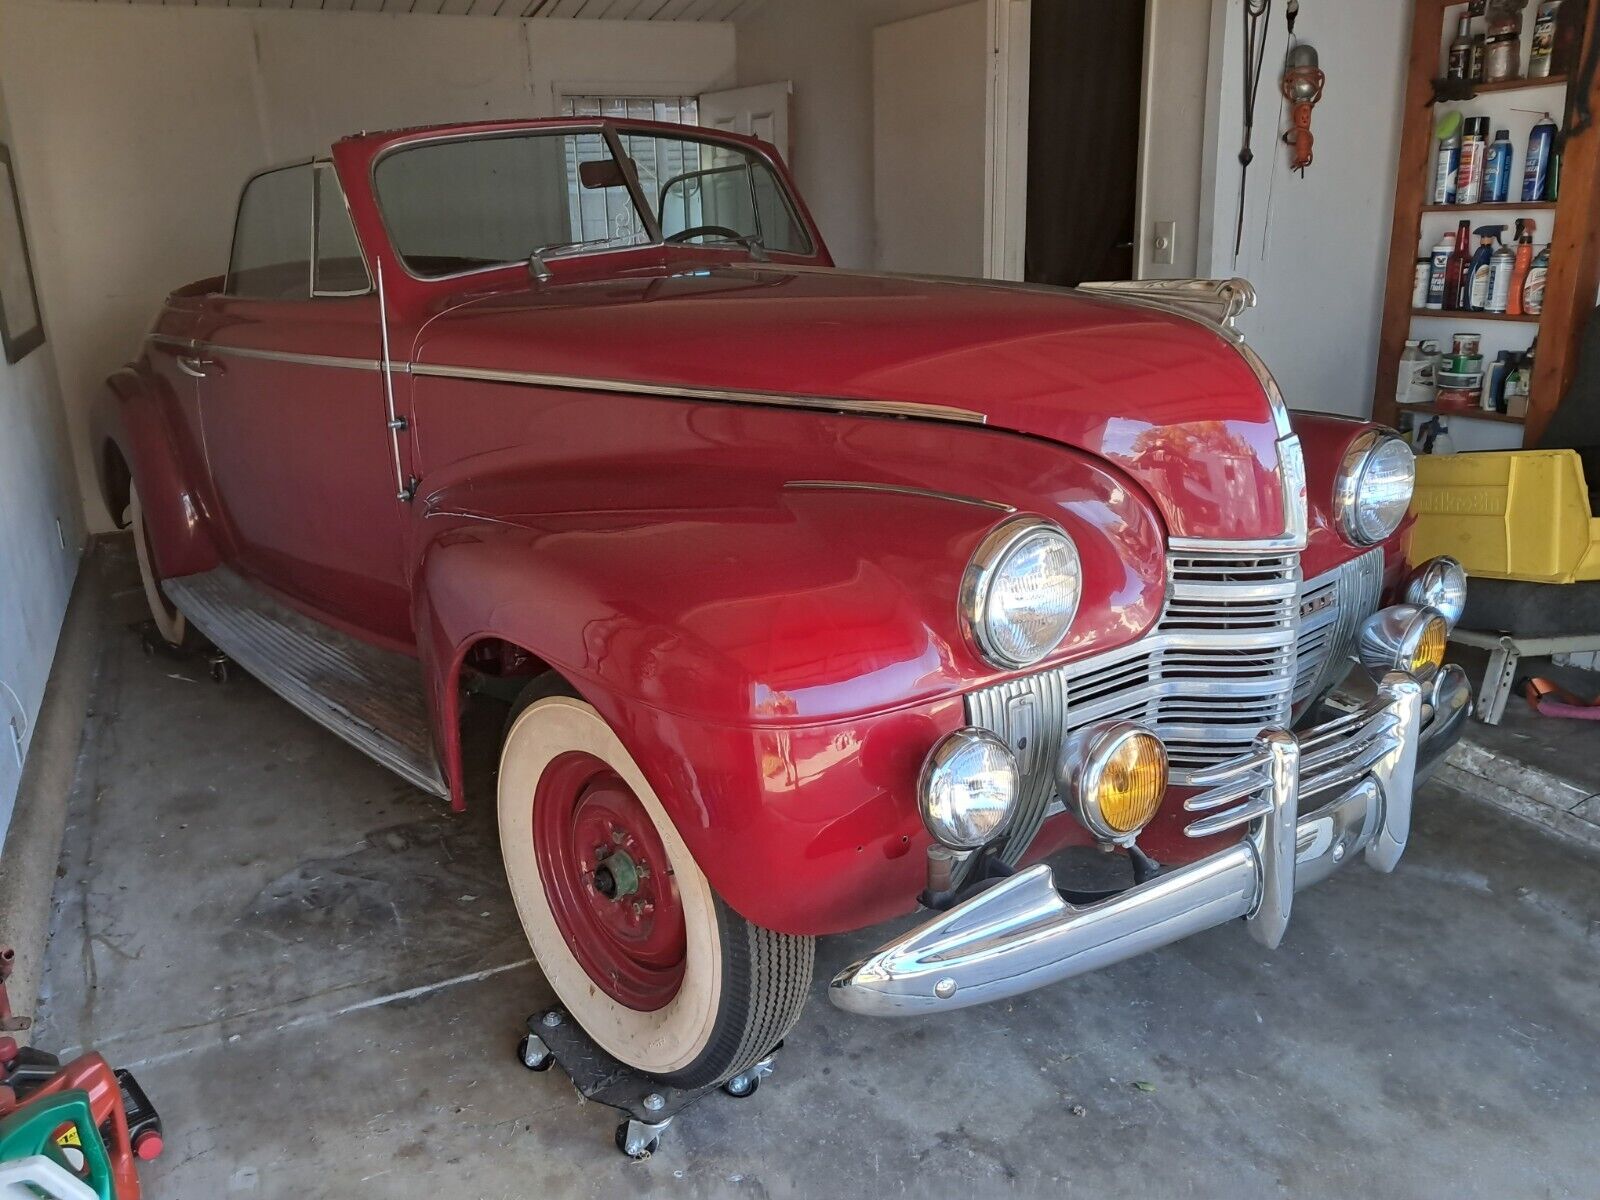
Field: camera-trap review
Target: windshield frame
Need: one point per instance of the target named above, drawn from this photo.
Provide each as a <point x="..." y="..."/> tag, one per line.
<point x="611" y="131"/>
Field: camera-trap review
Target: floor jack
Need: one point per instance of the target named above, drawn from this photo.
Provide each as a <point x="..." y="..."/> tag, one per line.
<point x="68" y="1130"/>
<point x="648" y="1105"/>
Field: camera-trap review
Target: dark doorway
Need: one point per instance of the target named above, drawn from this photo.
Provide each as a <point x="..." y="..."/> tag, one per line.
<point x="1083" y="139"/>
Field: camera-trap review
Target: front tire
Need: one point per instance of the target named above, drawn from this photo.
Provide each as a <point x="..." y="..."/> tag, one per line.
<point x="641" y="951"/>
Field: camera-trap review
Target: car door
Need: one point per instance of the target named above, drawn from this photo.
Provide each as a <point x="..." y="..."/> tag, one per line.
<point x="302" y="460"/>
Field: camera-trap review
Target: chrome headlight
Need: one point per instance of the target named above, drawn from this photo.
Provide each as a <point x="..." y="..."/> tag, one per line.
<point x="1021" y="591"/>
<point x="1439" y="583"/>
<point x="1373" y="490"/>
<point x="968" y="788"/>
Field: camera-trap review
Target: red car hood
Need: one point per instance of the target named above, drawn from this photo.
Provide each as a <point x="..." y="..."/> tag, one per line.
<point x="1165" y="398"/>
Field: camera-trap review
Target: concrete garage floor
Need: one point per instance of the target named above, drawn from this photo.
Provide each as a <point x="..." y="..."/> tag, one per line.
<point x="318" y="976"/>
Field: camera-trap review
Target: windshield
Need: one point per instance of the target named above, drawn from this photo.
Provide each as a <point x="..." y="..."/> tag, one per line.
<point x="467" y="204"/>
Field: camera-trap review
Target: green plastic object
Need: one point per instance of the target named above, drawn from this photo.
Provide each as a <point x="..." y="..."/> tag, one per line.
<point x="31" y="1130"/>
<point x="1448" y="126"/>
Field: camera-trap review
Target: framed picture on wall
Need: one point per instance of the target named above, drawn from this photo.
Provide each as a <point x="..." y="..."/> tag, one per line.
<point x="21" y="328"/>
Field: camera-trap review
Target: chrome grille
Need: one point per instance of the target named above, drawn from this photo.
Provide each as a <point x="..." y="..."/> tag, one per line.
<point x="1332" y="607"/>
<point x="1217" y="668"/>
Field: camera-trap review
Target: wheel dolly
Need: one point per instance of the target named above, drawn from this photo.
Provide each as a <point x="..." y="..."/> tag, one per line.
<point x="648" y="1105"/>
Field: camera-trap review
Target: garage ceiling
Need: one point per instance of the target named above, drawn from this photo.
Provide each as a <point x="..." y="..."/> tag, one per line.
<point x="605" y="10"/>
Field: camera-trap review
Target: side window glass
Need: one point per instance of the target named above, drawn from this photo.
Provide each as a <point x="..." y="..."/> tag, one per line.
<point x="340" y="269"/>
<point x="271" y="257"/>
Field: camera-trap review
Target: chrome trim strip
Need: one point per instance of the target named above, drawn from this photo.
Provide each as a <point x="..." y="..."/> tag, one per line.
<point x="285" y="356"/>
<point x="899" y="489"/>
<point x="1021" y="933"/>
<point x="881" y="408"/>
<point x="1341" y="599"/>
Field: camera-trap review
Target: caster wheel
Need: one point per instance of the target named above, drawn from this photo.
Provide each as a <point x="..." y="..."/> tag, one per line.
<point x="742" y="1086"/>
<point x="638" y="1151"/>
<point x="539" y="1062"/>
<point x="219" y="670"/>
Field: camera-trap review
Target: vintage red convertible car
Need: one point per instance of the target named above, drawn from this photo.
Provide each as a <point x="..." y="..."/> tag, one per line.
<point x="822" y="594"/>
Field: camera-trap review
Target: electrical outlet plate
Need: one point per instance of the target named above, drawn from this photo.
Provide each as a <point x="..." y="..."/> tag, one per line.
<point x="1163" y="243"/>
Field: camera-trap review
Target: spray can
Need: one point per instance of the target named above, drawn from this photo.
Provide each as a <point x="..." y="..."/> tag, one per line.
<point x="1448" y="162"/>
<point x="1497" y="168"/>
<point x="1544" y="40"/>
<point x="1533" y="285"/>
<point x="1536" y="168"/>
<point x="1469" y="171"/>
<point x="1438" y="268"/>
<point x="1501" y="264"/>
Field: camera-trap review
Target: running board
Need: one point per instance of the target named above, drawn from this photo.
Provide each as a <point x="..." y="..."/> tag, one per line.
<point x="371" y="698"/>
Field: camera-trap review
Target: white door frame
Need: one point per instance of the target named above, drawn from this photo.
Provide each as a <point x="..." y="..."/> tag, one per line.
<point x="1005" y="195"/>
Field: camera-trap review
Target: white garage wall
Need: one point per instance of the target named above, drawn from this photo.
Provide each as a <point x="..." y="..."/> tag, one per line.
<point x="825" y="48"/>
<point x="141" y="122"/>
<point x="38" y="558"/>
<point x="1315" y="248"/>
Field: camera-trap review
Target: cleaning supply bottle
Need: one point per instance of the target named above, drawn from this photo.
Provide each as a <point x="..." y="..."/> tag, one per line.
<point x="1437" y="269"/>
<point x="1533" y="285"/>
<point x="1455" y="271"/>
<point x="1501" y="264"/>
<point x="1480" y="270"/>
<point x="1536" y="167"/>
<point x="1497" y="168"/>
<point x="1474" y="149"/>
<point x="1448" y="161"/>
<point x="1414" y="381"/>
<point x="1520" y="267"/>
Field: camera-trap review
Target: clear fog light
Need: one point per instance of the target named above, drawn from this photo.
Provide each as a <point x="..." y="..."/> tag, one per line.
<point x="1114" y="776"/>
<point x="968" y="789"/>
<point x="1439" y="583"/>
<point x="1404" y="637"/>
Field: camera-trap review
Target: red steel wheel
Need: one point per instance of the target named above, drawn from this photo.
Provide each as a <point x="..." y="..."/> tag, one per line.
<point x="680" y="987"/>
<point x="609" y="882"/>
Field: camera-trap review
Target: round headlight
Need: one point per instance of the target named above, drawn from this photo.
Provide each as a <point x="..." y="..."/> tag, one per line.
<point x="1439" y="583"/>
<point x="1403" y="637"/>
<point x="968" y="788"/>
<point x="1374" y="487"/>
<point x="1021" y="591"/>
<point x="1114" y="776"/>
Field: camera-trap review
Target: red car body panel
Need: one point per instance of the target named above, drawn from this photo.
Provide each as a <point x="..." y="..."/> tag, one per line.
<point x="760" y="598"/>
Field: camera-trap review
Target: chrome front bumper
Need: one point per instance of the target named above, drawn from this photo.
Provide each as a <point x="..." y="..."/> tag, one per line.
<point x="1021" y="934"/>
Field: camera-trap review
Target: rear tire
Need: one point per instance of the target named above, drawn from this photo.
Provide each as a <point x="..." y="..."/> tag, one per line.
<point x="171" y="624"/>
<point x="651" y="962"/>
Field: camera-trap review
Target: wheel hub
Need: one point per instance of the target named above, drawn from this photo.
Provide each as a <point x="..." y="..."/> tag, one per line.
<point x="609" y="882"/>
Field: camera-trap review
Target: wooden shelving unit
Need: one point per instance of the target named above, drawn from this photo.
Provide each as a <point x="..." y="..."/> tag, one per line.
<point x="1433" y="410"/>
<point x="1574" y="241"/>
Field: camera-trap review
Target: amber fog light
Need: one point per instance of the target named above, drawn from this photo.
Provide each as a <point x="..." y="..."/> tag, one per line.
<point x="1404" y="637"/>
<point x="1114" y="777"/>
<point x="968" y="788"/>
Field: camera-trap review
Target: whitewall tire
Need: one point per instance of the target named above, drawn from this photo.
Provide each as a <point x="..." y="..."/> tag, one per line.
<point x="169" y="622"/>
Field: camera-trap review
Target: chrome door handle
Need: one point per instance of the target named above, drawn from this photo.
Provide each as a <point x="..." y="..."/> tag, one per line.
<point x="194" y="367"/>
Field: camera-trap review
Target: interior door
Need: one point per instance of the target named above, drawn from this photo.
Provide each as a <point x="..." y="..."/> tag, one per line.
<point x="761" y="111"/>
<point x="1084" y="94"/>
<point x="292" y="403"/>
<point x="930" y="80"/>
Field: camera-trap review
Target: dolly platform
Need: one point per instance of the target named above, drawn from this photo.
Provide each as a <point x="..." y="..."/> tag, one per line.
<point x="648" y="1105"/>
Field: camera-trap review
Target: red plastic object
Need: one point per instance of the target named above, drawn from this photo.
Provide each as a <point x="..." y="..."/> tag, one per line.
<point x="93" y="1074"/>
<point x="149" y="1145"/>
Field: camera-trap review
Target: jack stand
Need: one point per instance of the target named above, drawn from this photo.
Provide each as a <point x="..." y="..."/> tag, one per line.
<point x="647" y="1104"/>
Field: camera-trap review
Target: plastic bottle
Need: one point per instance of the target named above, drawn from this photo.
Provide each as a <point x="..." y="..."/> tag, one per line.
<point x="1519" y="268"/>
<point x="1439" y="263"/>
<point x="1414" y="381"/>
<point x="1533" y="285"/>
<point x="1455" y="271"/>
<point x="1501" y="264"/>
<point x="1494" y="383"/>
<point x="1448" y="160"/>
<point x="1480" y="275"/>
<point x="1544" y="39"/>
<point x="1469" y="169"/>
<point x="1497" y="168"/>
<point x="1536" y="167"/>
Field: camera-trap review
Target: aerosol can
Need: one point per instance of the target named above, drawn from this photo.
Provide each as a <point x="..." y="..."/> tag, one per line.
<point x="1501" y="265"/>
<point x="1498" y="168"/>
<point x="1536" y="168"/>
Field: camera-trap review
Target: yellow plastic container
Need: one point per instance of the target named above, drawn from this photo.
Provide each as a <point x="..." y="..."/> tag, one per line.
<point x="1507" y="514"/>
